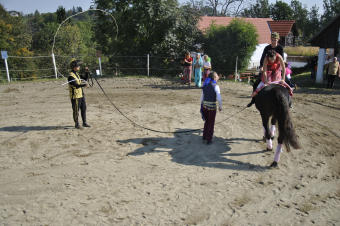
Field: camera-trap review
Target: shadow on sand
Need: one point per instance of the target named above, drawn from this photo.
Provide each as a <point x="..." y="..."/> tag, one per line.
<point x="33" y="128"/>
<point x="188" y="149"/>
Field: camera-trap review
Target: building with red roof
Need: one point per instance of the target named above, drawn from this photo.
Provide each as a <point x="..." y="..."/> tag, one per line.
<point x="264" y="27"/>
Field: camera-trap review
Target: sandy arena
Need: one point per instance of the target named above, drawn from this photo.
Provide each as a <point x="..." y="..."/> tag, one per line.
<point x="115" y="173"/>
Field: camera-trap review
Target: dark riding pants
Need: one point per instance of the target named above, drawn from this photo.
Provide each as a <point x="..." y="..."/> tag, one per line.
<point x="330" y="82"/>
<point x="79" y="103"/>
<point x="209" y="124"/>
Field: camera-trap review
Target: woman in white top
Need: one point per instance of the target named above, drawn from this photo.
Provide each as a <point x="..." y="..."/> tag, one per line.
<point x="206" y="67"/>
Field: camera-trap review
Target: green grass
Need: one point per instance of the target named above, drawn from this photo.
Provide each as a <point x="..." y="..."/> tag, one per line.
<point x="301" y="51"/>
<point x="304" y="81"/>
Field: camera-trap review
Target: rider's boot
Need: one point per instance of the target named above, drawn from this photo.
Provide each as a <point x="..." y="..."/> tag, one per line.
<point x="251" y="102"/>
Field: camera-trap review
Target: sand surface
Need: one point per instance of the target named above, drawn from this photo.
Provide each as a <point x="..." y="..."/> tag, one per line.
<point x="116" y="173"/>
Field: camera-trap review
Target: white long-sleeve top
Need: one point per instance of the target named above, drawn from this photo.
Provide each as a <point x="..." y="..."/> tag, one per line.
<point x="218" y="95"/>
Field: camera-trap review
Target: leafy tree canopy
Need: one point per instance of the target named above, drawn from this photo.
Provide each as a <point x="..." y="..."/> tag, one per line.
<point x="156" y="27"/>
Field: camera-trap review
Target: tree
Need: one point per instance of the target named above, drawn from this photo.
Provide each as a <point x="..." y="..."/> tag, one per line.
<point x="16" y="39"/>
<point x="219" y="7"/>
<point x="313" y="24"/>
<point x="5" y="29"/>
<point x="261" y="9"/>
<point x="43" y="39"/>
<point x="331" y="10"/>
<point x="281" y="11"/>
<point x="61" y="14"/>
<point x="300" y="15"/>
<point x="224" y="44"/>
<point x="155" y="27"/>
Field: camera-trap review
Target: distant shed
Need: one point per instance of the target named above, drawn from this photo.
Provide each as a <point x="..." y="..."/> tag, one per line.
<point x="327" y="38"/>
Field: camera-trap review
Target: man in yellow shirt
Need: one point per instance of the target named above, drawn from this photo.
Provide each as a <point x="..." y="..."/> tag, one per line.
<point x="333" y="70"/>
<point x="77" y="96"/>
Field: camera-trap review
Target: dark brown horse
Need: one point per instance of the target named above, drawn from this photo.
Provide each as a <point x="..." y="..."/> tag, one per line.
<point x="273" y="102"/>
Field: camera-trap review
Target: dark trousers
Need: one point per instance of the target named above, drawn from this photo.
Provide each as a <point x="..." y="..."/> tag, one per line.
<point x="79" y="103"/>
<point x="290" y="83"/>
<point x="330" y="82"/>
<point x="209" y="124"/>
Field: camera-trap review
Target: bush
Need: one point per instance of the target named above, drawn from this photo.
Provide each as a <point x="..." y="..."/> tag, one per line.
<point x="224" y="44"/>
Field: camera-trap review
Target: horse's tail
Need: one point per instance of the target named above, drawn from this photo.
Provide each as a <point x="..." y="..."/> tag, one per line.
<point x="285" y="123"/>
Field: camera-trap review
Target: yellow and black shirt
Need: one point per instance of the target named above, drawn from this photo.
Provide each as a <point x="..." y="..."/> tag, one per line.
<point x="75" y="85"/>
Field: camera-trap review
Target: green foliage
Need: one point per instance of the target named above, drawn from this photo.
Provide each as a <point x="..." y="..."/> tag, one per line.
<point x="6" y="38"/>
<point x="281" y="11"/>
<point x="307" y="22"/>
<point x="300" y="15"/>
<point x="61" y="14"/>
<point x="159" y="28"/>
<point x="331" y="10"/>
<point x="261" y="9"/>
<point x="224" y="44"/>
<point x="313" y="24"/>
<point x="16" y="39"/>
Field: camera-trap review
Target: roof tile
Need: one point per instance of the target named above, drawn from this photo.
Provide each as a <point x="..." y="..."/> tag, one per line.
<point x="282" y="27"/>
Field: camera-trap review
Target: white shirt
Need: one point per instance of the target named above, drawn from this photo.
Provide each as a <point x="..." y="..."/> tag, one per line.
<point x="206" y="64"/>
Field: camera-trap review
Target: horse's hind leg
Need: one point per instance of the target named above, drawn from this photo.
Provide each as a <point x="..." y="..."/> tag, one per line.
<point x="272" y="128"/>
<point x="279" y="146"/>
<point x="265" y="120"/>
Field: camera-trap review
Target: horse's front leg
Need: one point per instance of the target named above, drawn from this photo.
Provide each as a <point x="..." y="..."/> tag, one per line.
<point x="265" y="120"/>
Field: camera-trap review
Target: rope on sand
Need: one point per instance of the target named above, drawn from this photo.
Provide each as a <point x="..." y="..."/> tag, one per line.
<point x="154" y="130"/>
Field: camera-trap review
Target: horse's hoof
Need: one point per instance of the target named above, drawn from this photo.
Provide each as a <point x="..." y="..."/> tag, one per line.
<point x="269" y="149"/>
<point x="274" y="164"/>
<point x="264" y="139"/>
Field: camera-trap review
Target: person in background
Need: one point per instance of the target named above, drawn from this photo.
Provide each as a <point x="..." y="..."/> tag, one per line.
<point x="206" y="66"/>
<point x="333" y="71"/>
<point x="289" y="76"/>
<point x="210" y="93"/>
<point x="313" y="65"/>
<point x="198" y="64"/>
<point x="187" y="68"/>
<point x="77" y="95"/>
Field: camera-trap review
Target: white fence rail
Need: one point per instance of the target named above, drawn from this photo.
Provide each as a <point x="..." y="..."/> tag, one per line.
<point x="19" y="68"/>
<point x="25" y="68"/>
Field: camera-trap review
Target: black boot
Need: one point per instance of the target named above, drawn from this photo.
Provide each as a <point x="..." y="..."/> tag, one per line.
<point x="77" y="126"/>
<point x="251" y="102"/>
<point x="86" y="125"/>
